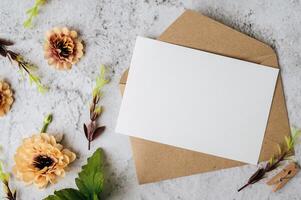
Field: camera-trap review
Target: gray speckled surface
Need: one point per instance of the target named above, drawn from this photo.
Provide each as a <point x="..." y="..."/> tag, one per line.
<point x="109" y="28"/>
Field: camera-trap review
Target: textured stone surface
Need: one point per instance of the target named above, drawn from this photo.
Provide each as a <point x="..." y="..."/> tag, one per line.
<point x="109" y="28"/>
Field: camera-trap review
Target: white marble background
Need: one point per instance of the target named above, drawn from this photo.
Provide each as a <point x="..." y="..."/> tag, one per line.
<point x="109" y="29"/>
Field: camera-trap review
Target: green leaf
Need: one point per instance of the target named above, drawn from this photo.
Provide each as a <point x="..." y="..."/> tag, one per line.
<point x="98" y="110"/>
<point x="29" y="11"/>
<point x="91" y="178"/>
<point x="27" y="23"/>
<point x="37" y="81"/>
<point x="272" y="160"/>
<point x="287" y="142"/>
<point x="296" y="133"/>
<point x="66" y="194"/>
<point x="40" y="2"/>
<point x="3" y="176"/>
<point x="279" y="149"/>
<point x="52" y="197"/>
<point x="35" y="12"/>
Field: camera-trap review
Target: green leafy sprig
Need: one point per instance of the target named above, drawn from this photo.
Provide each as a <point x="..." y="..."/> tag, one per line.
<point x="24" y="67"/>
<point x="285" y="151"/>
<point x="33" y="12"/>
<point x="91" y="130"/>
<point x="4" y="178"/>
<point x="90" y="181"/>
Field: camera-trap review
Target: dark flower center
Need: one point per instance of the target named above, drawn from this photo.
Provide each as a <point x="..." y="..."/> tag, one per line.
<point x="42" y="161"/>
<point x="64" y="50"/>
<point x="63" y="47"/>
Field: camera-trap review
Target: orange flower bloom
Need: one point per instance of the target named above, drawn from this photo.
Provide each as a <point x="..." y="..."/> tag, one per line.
<point x="41" y="160"/>
<point x="62" y="48"/>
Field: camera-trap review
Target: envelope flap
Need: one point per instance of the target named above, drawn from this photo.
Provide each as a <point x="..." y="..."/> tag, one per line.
<point x="200" y="32"/>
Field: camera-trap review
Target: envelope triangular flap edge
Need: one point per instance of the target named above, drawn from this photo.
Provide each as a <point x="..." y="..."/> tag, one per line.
<point x="155" y="161"/>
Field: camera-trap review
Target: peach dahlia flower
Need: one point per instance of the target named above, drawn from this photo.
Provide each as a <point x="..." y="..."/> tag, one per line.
<point x="41" y="160"/>
<point x="62" y="48"/>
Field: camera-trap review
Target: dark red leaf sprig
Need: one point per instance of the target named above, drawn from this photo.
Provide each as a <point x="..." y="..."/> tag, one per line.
<point x="92" y="131"/>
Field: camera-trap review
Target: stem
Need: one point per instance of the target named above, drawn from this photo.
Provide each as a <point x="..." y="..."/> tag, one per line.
<point x="91" y="128"/>
<point x="10" y="194"/>
<point x="47" y="121"/>
<point x="243" y="187"/>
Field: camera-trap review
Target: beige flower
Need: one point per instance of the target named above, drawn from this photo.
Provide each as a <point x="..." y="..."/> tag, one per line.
<point x="41" y="160"/>
<point x="62" y="48"/>
<point x="6" y="98"/>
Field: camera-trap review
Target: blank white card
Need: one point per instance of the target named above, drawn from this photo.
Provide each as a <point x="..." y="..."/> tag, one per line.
<point x="197" y="100"/>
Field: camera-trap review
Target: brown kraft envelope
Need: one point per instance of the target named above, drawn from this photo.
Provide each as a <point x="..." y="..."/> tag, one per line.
<point x="155" y="161"/>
